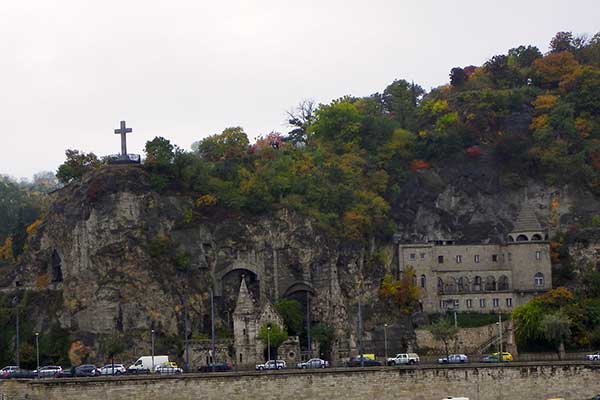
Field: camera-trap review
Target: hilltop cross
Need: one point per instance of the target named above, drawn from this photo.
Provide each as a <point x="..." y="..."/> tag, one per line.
<point x="123" y="131"/>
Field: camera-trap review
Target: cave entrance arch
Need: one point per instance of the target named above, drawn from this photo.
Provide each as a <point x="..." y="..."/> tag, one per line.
<point x="303" y="293"/>
<point x="228" y="287"/>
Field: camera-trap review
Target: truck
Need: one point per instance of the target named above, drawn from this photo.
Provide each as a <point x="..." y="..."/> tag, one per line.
<point x="404" y="359"/>
<point x="145" y="364"/>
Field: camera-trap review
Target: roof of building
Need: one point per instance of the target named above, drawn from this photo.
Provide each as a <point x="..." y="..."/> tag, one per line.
<point x="245" y="302"/>
<point x="527" y="220"/>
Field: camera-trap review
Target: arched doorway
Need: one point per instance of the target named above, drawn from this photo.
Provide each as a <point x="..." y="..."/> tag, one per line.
<point x="303" y="293"/>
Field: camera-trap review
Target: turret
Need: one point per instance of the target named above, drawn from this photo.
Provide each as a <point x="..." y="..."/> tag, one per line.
<point x="527" y="228"/>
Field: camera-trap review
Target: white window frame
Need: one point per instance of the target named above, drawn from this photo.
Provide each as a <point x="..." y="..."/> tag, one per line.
<point x="538" y="280"/>
<point x="459" y="259"/>
<point x="538" y="255"/>
<point x="469" y="303"/>
<point x="476" y="258"/>
<point x="481" y="303"/>
<point x="412" y="256"/>
<point x="495" y="303"/>
<point x="509" y="302"/>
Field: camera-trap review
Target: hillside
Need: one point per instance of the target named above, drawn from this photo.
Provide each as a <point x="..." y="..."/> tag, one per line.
<point x="126" y="249"/>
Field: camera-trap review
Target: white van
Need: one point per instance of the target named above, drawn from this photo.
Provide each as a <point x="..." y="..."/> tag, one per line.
<point x="146" y="364"/>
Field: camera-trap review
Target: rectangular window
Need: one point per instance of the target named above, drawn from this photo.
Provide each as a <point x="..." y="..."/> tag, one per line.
<point x="495" y="257"/>
<point x="440" y="259"/>
<point x="509" y="302"/>
<point x="422" y="256"/>
<point x="482" y="303"/>
<point x="412" y="256"/>
<point x="496" y="302"/>
<point x="456" y="304"/>
<point x="443" y="304"/>
<point x="469" y="303"/>
<point x="476" y="258"/>
<point x="538" y="255"/>
<point x="458" y="259"/>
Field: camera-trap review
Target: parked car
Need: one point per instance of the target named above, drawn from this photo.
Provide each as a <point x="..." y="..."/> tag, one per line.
<point x="113" y="369"/>
<point x="8" y="369"/>
<point x="593" y="357"/>
<point x="218" y="367"/>
<point x="454" y="359"/>
<point x="147" y="364"/>
<point x="506" y="356"/>
<point x="169" y="367"/>
<point x="49" y="371"/>
<point x="18" y="374"/>
<point x="86" y="370"/>
<point x="404" y="359"/>
<point x="271" y="364"/>
<point x="364" y="361"/>
<point x="313" y="363"/>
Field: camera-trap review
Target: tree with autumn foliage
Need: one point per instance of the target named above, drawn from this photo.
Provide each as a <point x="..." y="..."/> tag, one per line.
<point x="402" y="293"/>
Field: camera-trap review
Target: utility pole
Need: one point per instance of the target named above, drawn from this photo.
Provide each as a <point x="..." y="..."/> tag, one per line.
<point x="385" y="341"/>
<point x="37" y="352"/>
<point x="455" y="320"/>
<point x="308" y="325"/>
<point x="212" y="327"/>
<point x="17" y="349"/>
<point x="360" y="341"/>
<point x="185" y="334"/>
<point x="500" y="335"/>
<point x="152" y="350"/>
<point x="269" y="343"/>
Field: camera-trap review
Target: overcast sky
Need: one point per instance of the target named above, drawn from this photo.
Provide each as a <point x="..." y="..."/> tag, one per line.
<point x="70" y="70"/>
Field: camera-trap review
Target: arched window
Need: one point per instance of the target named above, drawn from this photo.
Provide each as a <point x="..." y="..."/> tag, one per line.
<point x="503" y="283"/>
<point x="450" y="285"/>
<point x="463" y="284"/>
<point x="522" y="238"/>
<point x="490" y="284"/>
<point x="538" y="279"/>
<point x="423" y="281"/>
<point x="537" y="236"/>
<point x="477" y="284"/>
<point x="511" y="239"/>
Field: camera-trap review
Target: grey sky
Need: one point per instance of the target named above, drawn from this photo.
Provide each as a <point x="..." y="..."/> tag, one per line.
<point x="71" y="69"/>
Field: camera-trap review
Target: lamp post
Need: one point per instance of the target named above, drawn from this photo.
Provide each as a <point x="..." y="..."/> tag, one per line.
<point x="212" y="327"/>
<point x="269" y="342"/>
<point x="152" y="350"/>
<point x="385" y="341"/>
<point x="37" y="352"/>
<point x="308" y="325"/>
<point x="500" y="336"/>
<point x="15" y="303"/>
<point x="360" y="342"/>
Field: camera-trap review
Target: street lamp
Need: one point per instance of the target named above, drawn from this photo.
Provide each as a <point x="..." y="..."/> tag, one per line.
<point x="152" y="350"/>
<point x="385" y="341"/>
<point x="499" y="323"/>
<point x="15" y="303"/>
<point x="37" y="352"/>
<point x="212" y="328"/>
<point x="269" y="342"/>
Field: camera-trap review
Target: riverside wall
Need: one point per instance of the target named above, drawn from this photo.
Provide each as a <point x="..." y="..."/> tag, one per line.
<point x="526" y="381"/>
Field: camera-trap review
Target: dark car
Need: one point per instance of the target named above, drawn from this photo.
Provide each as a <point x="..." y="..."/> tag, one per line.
<point x="367" y="362"/>
<point x="217" y="367"/>
<point x="85" y="370"/>
<point x="18" y="373"/>
<point x="490" y="359"/>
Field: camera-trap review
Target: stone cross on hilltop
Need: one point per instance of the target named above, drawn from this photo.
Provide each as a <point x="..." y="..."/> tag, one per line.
<point x="123" y="131"/>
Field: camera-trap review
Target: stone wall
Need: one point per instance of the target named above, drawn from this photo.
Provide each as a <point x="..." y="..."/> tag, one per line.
<point x="468" y="341"/>
<point x="494" y="382"/>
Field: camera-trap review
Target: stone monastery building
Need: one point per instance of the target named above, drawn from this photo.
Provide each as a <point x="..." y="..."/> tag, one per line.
<point x="482" y="277"/>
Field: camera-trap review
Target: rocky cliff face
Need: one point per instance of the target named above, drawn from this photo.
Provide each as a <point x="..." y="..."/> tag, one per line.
<point x="128" y="259"/>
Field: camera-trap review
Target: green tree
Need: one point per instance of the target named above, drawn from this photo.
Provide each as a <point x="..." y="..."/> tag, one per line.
<point x="231" y="144"/>
<point x="562" y="41"/>
<point x="76" y="166"/>
<point x="276" y="336"/>
<point x="556" y="329"/>
<point x="444" y="331"/>
<point x="159" y="152"/>
<point x="291" y="312"/>
<point x="324" y="335"/>
<point x="401" y="98"/>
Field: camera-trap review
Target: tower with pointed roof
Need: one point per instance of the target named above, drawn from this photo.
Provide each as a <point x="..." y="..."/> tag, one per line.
<point x="527" y="228"/>
<point x="248" y="318"/>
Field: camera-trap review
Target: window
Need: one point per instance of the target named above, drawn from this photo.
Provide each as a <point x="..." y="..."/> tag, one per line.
<point x="443" y="304"/>
<point x="440" y="259"/>
<point x="503" y="283"/>
<point x="482" y="303"/>
<point x="494" y="257"/>
<point x="509" y="302"/>
<point x="469" y="303"/>
<point x="423" y="281"/>
<point x="538" y="255"/>
<point x="422" y="256"/>
<point x="539" y="279"/>
<point x="456" y="304"/>
<point x="476" y="258"/>
<point x="413" y="256"/>
<point x="496" y="302"/>
<point x="458" y="259"/>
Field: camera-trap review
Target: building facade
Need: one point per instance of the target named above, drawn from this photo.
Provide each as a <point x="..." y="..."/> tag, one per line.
<point x="481" y="277"/>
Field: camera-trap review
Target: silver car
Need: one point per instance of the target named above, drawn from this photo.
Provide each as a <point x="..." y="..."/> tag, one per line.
<point x="454" y="359"/>
<point x="313" y="363"/>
